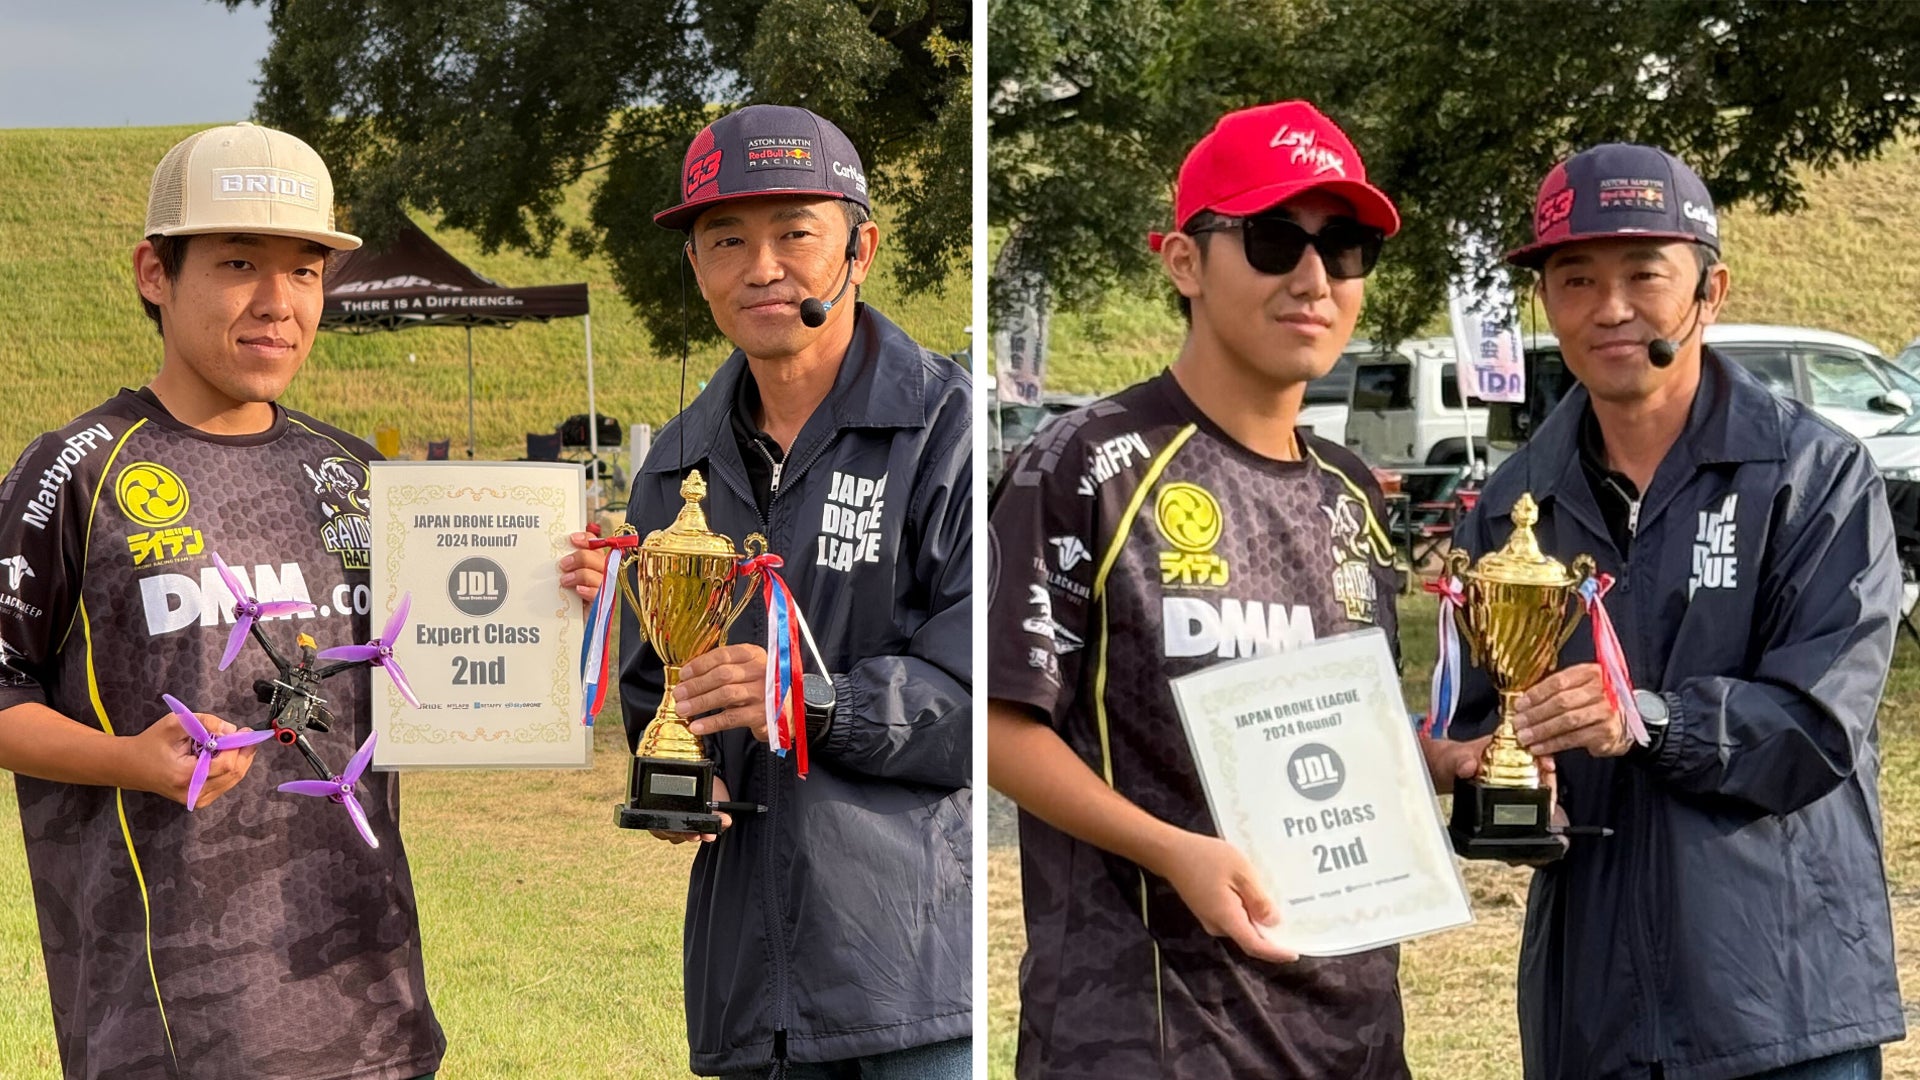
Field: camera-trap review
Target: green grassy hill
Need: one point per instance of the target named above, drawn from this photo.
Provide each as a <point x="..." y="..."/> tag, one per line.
<point x="1841" y="264"/>
<point x="74" y="332"/>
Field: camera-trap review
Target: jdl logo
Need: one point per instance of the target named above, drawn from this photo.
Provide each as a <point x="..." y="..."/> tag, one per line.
<point x="1316" y="771"/>
<point x="477" y="586"/>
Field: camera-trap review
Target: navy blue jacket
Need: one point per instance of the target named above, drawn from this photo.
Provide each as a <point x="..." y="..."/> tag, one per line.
<point x="838" y="924"/>
<point x="1737" y="920"/>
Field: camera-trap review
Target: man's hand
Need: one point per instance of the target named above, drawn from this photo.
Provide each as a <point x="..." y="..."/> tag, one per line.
<point x="1569" y="709"/>
<point x="731" y="683"/>
<point x="720" y="794"/>
<point x="583" y="569"/>
<point x="1220" y="887"/>
<point x="165" y="755"/>
<point x="1448" y="761"/>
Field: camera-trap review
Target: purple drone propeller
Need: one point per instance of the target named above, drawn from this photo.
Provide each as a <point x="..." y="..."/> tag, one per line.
<point x="380" y="650"/>
<point x="206" y="744"/>
<point x="246" y="609"/>
<point x="340" y="788"/>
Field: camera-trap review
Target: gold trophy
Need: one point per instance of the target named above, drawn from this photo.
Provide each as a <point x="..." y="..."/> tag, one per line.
<point x="1521" y="607"/>
<point x="681" y="587"/>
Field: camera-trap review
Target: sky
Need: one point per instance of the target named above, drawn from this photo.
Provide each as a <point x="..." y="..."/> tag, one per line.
<point x="114" y="63"/>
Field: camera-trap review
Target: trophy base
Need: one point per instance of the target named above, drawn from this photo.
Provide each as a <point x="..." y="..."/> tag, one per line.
<point x="1503" y="823"/>
<point x="669" y="795"/>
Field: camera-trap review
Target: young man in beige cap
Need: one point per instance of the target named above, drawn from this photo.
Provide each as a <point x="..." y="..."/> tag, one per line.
<point x="255" y="936"/>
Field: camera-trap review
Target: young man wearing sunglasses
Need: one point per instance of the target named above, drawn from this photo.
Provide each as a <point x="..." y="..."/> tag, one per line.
<point x="1735" y="923"/>
<point x="1177" y="524"/>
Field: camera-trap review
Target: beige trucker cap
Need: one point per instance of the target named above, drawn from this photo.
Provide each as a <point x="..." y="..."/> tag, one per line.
<point x="243" y="178"/>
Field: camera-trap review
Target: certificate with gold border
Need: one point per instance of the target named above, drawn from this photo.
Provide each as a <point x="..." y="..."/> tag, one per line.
<point x="1314" y="772"/>
<point x="492" y="643"/>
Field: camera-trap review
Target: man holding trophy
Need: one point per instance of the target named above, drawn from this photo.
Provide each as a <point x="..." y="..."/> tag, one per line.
<point x="1735" y="922"/>
<point x="1181" y="523"/>
<point x="828" y="926"/>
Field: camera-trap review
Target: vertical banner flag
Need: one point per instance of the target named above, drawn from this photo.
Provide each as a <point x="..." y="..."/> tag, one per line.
<point x="1486" y="333"/>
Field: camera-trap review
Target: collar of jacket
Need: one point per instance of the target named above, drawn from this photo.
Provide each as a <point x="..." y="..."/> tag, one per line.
<point x="880" y="385"/>
<point x="1734" y="419"/>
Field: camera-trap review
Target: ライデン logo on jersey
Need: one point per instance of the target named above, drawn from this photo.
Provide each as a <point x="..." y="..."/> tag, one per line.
<point x="163" y="546"/>
<point x="1189" y="518"/>
<point x="150" y="494"/>
<point x="341" y="483"/>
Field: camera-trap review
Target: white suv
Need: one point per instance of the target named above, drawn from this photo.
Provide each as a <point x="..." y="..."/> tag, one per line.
<point x="1405" y="408"/>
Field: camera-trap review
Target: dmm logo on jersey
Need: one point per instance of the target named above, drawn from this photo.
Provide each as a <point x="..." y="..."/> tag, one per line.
<point x="175" y="601"/>
<point x="1189" y="518"/>
<point x="153" y="495"/>
<point x="851" y="521"/>
<point x="39" y="508"/>
<point x="1232" y="628"/>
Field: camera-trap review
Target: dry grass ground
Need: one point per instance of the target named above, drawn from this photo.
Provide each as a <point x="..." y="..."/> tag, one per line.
<point x="1459" y="986"/>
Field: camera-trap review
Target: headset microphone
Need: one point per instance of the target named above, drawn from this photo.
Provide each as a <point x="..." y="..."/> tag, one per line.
<point x="813" y="312"/>
<point x="1661" y="351"/>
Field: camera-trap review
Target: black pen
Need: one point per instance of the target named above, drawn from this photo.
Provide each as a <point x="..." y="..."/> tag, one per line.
<point x="740" y="807"/>
<point x="1580" y="830"/>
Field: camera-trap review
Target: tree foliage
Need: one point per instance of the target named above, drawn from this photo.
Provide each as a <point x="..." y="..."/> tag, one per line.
<point x="484" y="113"/>
<point x="1458" y="106"/>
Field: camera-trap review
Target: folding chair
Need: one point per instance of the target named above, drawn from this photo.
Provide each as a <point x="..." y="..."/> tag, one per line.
<point x="543" y="446"/>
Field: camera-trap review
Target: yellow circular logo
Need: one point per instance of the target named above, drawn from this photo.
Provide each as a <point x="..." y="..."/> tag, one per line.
<point x="151" y="494"/>
<point x="1189" y="517"/>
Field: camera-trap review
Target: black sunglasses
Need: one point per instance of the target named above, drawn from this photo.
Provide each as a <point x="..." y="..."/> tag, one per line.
<point x="1274" y="244"/>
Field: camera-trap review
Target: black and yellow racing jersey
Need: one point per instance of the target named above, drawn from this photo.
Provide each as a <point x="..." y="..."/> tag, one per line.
<point x="1135" y="542"/>
<point x="257" y="936"/>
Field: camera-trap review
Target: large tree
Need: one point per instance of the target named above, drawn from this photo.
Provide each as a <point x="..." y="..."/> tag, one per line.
<point x="1458" y="106"/>
<point x="486" y="113"/>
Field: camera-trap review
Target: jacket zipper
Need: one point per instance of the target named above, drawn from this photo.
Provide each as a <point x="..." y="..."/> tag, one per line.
<point x="775" y="911"/>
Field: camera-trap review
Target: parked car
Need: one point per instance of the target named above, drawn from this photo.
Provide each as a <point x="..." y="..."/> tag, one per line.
<point x="1843" y="378"/>
<point x="1326" y="406"/>
<point x="1405" y="407"/>
<point x="1908" y="359"/>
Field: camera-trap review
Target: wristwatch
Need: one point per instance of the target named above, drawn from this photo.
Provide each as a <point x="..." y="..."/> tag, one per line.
<point x="1653" y="713"/>
<point x="818" y="692"/>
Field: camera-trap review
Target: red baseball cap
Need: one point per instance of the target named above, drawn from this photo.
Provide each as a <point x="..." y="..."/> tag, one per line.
<point x="1257" y="158"/>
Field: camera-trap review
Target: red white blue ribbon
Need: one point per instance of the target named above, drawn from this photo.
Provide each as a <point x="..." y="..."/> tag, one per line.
<point x="596" y="646"/>
<point x="786" y="707"/>
<point x="1615" y="679"/>
<point x="1444" y="695"/>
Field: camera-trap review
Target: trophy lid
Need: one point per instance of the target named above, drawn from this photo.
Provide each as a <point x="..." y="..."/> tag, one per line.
<point x="689" y="535"/>
<point x="1521" y="562"/>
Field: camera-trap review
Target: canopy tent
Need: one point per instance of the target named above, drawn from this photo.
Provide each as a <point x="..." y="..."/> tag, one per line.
<point x="415" y="282"/>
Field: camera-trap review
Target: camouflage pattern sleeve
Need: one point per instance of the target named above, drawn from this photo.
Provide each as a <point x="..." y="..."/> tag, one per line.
<point x="42" y="532"/>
